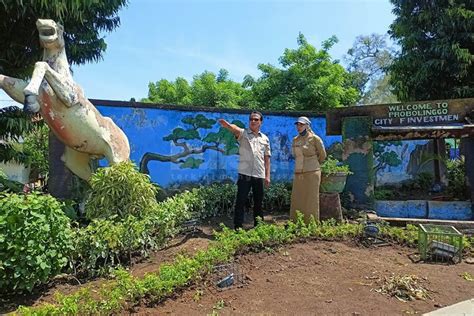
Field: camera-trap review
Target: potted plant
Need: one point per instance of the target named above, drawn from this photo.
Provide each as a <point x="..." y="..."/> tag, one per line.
<point x="333" y="176"/>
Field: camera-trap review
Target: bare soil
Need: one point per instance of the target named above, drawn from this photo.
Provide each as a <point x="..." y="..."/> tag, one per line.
<point x="307" y="278"/>
<point x="322" y="278"/>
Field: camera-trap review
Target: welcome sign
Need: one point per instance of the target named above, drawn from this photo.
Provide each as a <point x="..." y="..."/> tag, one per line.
<point x="418" y="113"/>
<point x="427" y="113"/>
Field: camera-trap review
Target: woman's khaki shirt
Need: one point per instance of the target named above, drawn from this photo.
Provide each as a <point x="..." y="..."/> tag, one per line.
<point x="309" y="152"/>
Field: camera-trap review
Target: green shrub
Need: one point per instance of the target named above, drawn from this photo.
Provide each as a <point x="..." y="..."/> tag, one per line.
<point x="277" y="197"/>
<point x="383" y="194"/>
<point x="35" y="240"/>
<point x="119" y="191"/>
<point x="107" y="243"/>
<point x="424" y="180"/>
<point x="332" y="166"/>
<point x="213" y="200"/>
<point x="456" y="179"/>
<point x="36" y="149"/>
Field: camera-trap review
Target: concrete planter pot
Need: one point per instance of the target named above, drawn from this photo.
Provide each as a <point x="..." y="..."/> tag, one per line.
<point x="333" y="183"/>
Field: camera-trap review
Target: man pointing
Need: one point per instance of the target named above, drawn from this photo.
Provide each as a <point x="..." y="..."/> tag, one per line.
<point x="254" y="165"/>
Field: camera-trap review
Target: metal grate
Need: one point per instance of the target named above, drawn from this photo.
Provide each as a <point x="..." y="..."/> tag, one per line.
<point x="227" y="276"/>
<point x="190" y="226"/>
<point x="439" y="243"/>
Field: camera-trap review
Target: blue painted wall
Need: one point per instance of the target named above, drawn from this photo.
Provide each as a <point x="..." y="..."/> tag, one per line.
<point x="146" y="129"/>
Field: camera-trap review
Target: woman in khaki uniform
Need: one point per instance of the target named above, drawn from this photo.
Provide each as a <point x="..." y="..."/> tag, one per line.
<point x="309" y="153"/>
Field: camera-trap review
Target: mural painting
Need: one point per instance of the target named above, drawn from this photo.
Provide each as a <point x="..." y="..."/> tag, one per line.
<point x="178" y="146"/>
<point x="395" y="163"/>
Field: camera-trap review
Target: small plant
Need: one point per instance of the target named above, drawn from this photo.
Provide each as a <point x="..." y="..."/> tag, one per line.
<point x="333" y="176"/>
<point x="220" y="304"/>
<point x="467" y="276"/>
<point x="197" y="295"/>
<point x="119" y="191"/>
<point x="424" y="180"/>
<point x="35" y="240"/>
<point x="333" y="166"/>
<point x="384" y="194"/>
<point x="456" y="179"/>
<point x="277" y="197"/>
<point x="36" y="149"/>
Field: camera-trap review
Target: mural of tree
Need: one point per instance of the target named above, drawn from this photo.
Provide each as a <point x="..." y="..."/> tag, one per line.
<point x="221" y="141"/>
<point x="386" y="158"/>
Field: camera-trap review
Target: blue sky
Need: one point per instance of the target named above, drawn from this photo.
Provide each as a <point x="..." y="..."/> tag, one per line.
<point x="167" y="39"/>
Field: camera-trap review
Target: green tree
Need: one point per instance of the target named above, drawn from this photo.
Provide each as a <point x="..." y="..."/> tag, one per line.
<point x="308" y="80"/>
<point x="14" y="124"/>
<point x="166" y="92"/>
<point x="24" y="139"/>
<point x="218" y="91"/>
<point x="437" y="49"/>
<point x="206" y="89"/>
<point x="368" y="62"/>
<point x="83" y="21"/>
<point x="379" y="91"/>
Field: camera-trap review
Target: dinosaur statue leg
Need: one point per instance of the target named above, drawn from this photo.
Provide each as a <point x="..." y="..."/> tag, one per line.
<point x="62" y="86"/>
<point x="77" y="162"/>
<point x="13" y="87"/>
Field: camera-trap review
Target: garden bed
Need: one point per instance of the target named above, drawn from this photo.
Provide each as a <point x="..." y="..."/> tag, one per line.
<point x="317" y="277"/>
<point x="323" y="278"/>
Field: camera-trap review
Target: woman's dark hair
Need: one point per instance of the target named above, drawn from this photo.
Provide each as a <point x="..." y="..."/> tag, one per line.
<point x="258" y="113"/>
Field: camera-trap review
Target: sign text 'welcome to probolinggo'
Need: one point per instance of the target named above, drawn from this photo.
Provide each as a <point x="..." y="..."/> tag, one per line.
<point x="427" y="113"/>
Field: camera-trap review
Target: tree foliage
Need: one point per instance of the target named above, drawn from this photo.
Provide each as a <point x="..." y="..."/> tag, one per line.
<point x="436" y="60"/>
<point x="308" y="80"/>
<point x="206" y="89"/>
<point x="83" y="21"/>
<point x="24" y="139"/>
<point x="368" y="62"/>
<point x="14" y="123"/>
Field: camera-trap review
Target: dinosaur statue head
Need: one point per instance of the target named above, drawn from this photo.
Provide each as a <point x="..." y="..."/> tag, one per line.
<point x="50" y="34"/>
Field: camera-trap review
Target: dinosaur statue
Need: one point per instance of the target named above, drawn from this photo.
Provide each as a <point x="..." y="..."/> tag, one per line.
<point x="85" y="133"/>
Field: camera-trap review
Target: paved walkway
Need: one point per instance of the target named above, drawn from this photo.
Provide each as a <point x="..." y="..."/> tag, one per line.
<point x="465" y="308"/>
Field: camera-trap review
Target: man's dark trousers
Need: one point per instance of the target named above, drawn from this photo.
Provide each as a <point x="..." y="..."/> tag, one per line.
<point x="244" y="184"/>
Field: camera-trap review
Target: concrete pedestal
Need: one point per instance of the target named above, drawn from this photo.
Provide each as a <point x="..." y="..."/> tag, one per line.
<point x="330" y="206"/>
